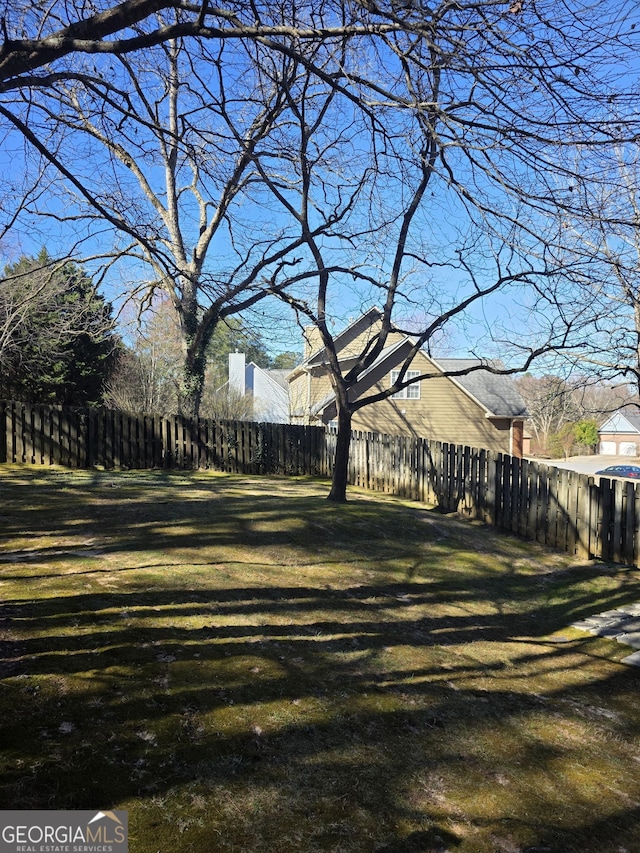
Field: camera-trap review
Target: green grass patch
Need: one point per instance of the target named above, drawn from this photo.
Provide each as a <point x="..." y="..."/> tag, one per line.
<point x="246" y="667"/>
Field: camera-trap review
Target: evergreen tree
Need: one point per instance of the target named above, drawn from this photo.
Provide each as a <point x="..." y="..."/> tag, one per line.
<point x="58" y="342"/>
<point x="286" y="360"/>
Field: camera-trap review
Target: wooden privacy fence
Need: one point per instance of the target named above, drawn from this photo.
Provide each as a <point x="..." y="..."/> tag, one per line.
<point x="556" y="507"/>
<point x="559" y="508"/>
<point x="84" y="438"/>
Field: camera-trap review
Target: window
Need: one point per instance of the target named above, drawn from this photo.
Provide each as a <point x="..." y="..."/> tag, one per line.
<point x="411" y="392"/>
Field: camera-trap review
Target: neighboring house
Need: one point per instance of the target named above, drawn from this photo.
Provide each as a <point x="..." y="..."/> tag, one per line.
<point x="268" y="389"/>
<point x="479" y="409"/>
<point x="620" y="434"/>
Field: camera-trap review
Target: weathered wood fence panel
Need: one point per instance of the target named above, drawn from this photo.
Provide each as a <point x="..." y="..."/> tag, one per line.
<point x="555" y="507"/>
<point x="83" y="438"/>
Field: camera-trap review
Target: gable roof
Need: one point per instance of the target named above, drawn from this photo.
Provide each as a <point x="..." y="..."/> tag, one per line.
<point x="279" y="376"/>
<point x="274" y="378"/>
<point x="363" y="382"/>
<point x="341" y="340"/>
<point x="348" y="334"/>
<point x="494" y="392"/>
<point x="624" y="420"/>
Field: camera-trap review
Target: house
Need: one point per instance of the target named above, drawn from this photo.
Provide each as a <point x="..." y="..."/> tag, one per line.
<point x="620" y="434"/>
<point x="267" y="389"/>
<point x="478" y="409"/>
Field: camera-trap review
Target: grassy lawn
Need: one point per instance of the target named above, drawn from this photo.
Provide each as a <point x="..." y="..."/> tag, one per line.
<point x="246" y="667"/>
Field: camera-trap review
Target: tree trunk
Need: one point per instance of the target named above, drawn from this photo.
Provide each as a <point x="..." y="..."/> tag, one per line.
<point x="195" y="364"/>
<point x="191" y="393"/>
<point x="192" y="383"/>
<point x="338" y="492"/>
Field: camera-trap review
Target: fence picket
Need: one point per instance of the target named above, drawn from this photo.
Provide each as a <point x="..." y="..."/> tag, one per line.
<point x="21" y="448"/>
<point x="524" y="497"/>
<point x="604" y="518"/>
<point x="617" y="521"/>
<point x="562" y="513"/>
<point x="551" y="510"/>
<point x="628" y="524"/>
<point x="542" y="504"/>
<point x="514" y="494"/>
<point x="491" y="490"/>
<point x="572" y="512"/>
<point x="584" y="509"/>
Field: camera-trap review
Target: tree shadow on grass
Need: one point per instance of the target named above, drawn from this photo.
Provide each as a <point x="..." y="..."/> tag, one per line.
<point x="411" y="712"/>
<point x="347" y="710"/>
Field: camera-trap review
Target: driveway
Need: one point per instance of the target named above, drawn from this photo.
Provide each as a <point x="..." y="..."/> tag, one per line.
<point x="590" y="464"/>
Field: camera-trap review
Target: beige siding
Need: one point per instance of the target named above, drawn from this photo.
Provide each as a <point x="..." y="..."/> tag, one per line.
<point x="298" y="397"/>
<point x="443" y="413"/>
<point x="312" y="340"/>
<point x="304" y="393"/>
<point x="357" y="346"/>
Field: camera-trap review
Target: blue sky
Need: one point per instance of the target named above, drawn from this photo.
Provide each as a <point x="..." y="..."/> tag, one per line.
<point x="437" y="238"/>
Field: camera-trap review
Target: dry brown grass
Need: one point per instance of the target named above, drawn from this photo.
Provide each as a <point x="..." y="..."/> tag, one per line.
<point x="244" y="666"/>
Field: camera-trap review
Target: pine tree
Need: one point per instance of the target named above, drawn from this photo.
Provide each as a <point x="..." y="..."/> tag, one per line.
<point x="57" y="340"/>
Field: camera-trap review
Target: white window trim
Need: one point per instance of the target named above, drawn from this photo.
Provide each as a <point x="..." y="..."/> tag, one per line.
<point x="411" y="392"/>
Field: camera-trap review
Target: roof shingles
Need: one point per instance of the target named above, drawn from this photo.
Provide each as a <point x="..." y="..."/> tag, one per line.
<point x="494" y="391"/>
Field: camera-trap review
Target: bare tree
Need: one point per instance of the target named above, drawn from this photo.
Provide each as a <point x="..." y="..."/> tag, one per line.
<point x="606" y="229"/>
<point x="37" y="38"/>
<point x="36" y="35"/>
<point x="553" y="401"/>
<point x="147" y="375"/>
<point x="225" y="403"/>
<point x="164" y="147"/>
<point x="550" y="405"/>
<point x="442" y="194"/>
<point x="598" y="399"/>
